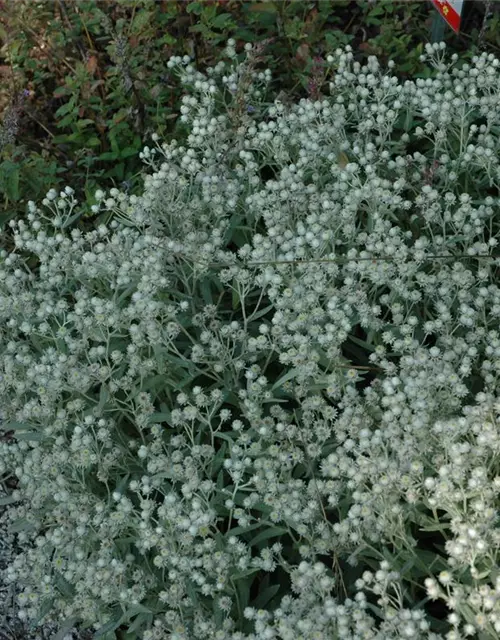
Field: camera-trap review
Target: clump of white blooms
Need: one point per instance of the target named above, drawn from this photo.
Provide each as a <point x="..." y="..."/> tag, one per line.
<point x="261" y="399"/>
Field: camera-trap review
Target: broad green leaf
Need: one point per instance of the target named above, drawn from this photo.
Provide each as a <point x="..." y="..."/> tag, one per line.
<point x="21" y="524"/>
<point x="236" y="299"/>
<point x="166" y="39"/>
<point x="115" y="147"/>
<point x="93" y="141"/>
<point x="206" y="291"/>
<point x="246" y="35"/>
<point x="63" y="585"/>
<point x="179" y="361"/>
<point x="243" y="588"/>
<point x="224" y="436"/>
<point x="33" y="436"/>
<point x="265" y="596"/>
<point x="84" y="122"/>
<point x="285" y="378"/>
<point x="194" y="7"/>
<point x="134" y="610"/>
<point x="13" y="426"/>
<point x="154" y="382"/>
<point x="123" y="483"/>
<point x="141" y="19"/>
<point x="217" y="613"/>
<point x="12" y="184"/>
<point x="435" y="527"/>
<point x="159" y="354"/>
<point x="65" y="628"/>
<point x="45" y="608"/>
<point x="262" y="312"/>
<point x="362" y="343"/>
<point x="65" y="121"/>
<point x="157" y="418"/>
<point x="60" y="91"/>
<point x="109" y="155"/>
<point x="103" y="398"/>
<point x="283" y="400"/>
<point x="222" y="20"/>
<point x="425" y="560"/>
<point x="65" y="108"/>
<point x="128" y="151"/>
<point x="126" y="293"/>
<point x="188" y="377"/>
<point x="113" y="624"/>
<point x="239" y="530"/>
<point x="218" y="459"/>
<point x="245" y="573"/>
<point x="142" y="621"/>
<point x="268" y="533"/>
<point x="220" y="480"/>
<point x="126" y="541"/>
<point x="72" y="219"/>
<point x="190" y="590"/>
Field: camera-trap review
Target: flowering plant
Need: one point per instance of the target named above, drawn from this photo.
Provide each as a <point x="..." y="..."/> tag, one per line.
<point x="261" y="399"/>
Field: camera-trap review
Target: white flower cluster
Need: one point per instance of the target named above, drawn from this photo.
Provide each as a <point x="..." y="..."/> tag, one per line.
<point x="238" y="405"/>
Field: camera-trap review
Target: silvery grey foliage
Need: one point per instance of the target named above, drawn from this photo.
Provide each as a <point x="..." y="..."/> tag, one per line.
<point x="182" y="382"/>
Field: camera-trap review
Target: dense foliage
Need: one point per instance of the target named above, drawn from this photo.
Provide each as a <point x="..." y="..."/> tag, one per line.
<point x="260" y="399"/>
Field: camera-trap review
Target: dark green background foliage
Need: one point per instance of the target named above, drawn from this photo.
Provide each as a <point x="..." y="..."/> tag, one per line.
<point x="84" y="83"/>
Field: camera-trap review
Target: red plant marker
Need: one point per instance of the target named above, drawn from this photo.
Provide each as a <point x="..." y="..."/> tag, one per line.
<point x="451" y="11"/>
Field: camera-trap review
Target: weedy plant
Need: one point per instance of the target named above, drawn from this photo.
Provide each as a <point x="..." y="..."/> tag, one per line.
<point x="260" y="400"/>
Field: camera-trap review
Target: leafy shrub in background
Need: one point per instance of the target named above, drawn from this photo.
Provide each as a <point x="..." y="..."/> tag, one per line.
<point x="97" y="80"/>
<point x="260" y="399"/>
